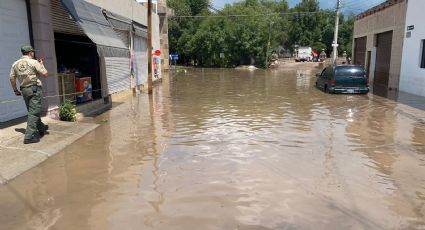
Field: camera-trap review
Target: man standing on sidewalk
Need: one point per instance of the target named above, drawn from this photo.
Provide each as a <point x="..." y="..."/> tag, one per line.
<point x="26" y="70"/>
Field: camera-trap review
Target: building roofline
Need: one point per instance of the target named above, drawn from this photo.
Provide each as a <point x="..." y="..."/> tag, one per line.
<point x="378" y="8"/>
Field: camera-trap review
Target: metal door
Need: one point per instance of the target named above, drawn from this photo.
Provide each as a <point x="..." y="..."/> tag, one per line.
<point x="141" y="60"/>
<point x="14" y="32"/>
<point x="61" y="20"/>
<point x="118" y="73"/>
<point x="360" y="51"/>
<point x="369" y="56"/>
<point x="383" y="60"/>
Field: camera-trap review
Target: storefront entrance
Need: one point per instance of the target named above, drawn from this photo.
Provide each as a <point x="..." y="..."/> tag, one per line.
<point x="77" y="57"/>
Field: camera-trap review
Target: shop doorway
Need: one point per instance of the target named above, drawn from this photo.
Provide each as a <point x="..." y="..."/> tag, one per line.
<point x="77" y="55"/>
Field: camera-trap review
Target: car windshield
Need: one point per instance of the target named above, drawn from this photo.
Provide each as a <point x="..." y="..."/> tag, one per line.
<point x="350" y="71"/>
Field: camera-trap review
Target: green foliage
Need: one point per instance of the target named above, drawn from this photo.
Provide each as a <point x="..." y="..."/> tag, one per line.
<point x="244" y="40"/>
<point x="67" y="111"/>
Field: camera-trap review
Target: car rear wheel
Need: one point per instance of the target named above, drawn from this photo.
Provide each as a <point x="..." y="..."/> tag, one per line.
<point x="327" y="90"/>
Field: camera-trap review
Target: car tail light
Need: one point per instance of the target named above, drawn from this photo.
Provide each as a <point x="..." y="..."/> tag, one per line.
<point x="368" y="82"/>
<point x="333" y="82"/>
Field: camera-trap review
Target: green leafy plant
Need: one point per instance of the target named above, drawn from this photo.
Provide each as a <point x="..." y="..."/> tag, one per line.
<point x="67" y="111"/>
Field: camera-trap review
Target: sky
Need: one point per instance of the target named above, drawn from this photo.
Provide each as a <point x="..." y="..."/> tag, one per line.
<point x="348" y="5"/>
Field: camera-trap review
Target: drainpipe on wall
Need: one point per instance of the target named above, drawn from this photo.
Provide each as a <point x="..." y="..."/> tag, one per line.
<point x="29" y="16"/>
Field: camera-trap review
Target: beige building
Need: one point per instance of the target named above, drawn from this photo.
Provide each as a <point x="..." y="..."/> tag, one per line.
<point x="164" y="12"/>
<point x="378" y="43"/>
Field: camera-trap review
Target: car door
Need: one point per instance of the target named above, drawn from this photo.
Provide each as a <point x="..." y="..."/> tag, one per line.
<point x="321" y="79"/>
<point x="327" y="76"/>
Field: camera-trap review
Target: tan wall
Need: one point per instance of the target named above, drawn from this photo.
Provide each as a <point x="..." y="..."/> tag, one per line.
<point x="45" y="46"/>
<point x="126" y="8"/>
<point x="163" y="26"/>
<point x="389" y="19"/>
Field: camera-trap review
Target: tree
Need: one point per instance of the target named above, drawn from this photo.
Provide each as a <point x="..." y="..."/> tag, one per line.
<point x="242" y="30"/>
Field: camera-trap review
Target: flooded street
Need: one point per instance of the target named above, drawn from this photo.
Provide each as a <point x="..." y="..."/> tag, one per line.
<point x="227" y="149"/>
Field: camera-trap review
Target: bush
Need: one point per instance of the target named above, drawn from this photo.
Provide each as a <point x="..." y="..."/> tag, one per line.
<point x="67" y="111"/>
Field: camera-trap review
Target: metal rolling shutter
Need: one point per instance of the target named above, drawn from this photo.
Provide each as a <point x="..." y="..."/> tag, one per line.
<point x="383" y="59"/>
<point x="118" y="73"/>
<point x="141" y="60"/>
<point x="13" y="34"/>
<point x="360" y="51"/>
<point x="62" y="21"/>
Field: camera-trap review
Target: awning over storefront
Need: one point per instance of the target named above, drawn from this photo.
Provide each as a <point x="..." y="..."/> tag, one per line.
<point x="94" y="24"/>
<point x="122" y="23"/>
<point x="117" y="21"/>
<point x="140" y="30"/>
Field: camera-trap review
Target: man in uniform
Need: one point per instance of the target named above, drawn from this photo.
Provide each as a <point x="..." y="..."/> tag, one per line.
<point x="26" y="71"/>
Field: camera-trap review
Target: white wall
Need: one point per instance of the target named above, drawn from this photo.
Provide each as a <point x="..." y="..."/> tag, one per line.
<point x="13" y="34"/>
<point x="412" y="78"/>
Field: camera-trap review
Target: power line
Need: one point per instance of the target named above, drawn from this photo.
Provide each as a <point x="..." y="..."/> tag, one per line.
<point x="258" y="15"/>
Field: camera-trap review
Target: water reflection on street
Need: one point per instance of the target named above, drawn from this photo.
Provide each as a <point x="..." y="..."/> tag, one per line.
<point x="229" y="149"/>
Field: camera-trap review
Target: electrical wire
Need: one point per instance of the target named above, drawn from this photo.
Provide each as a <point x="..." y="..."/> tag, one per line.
<point x="258" y="15"/>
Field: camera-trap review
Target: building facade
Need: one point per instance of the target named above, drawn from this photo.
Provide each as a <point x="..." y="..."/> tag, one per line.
<point x="412" y="77"/>
<point x="378" y="43"/>
<point x="102" y="43"/>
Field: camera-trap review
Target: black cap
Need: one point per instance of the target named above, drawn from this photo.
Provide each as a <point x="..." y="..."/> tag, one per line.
<point x="27" y="48"/>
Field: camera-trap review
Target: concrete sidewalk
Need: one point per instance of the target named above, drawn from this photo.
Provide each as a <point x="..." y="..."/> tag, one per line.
<point x="16" y="158"/>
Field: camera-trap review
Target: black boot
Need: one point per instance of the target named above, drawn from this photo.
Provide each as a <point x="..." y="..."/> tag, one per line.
<point x="34" y="139"/>
<point x="44" y="132"/>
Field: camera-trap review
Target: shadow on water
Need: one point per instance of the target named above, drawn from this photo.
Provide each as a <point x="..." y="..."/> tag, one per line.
<point x="412" y="100"/>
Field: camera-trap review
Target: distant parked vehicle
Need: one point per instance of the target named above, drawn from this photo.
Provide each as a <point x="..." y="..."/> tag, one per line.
<point x="343" y="79"/>
<point x="304" y="54"/>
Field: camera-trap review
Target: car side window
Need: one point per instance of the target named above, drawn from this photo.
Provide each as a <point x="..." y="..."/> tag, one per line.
<point x="329" y="73"/>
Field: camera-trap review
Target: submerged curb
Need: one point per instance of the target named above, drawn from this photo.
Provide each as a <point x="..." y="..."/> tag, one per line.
<point x="17" y="158"/>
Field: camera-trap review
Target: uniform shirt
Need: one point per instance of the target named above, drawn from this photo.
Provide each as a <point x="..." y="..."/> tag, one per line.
<point x="26" y="70"/>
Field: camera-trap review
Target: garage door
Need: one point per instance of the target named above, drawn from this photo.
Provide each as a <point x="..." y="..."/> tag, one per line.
<point x="360" y="51"/>
<point x="383" y="60"/>
<point x="14" y="33"/>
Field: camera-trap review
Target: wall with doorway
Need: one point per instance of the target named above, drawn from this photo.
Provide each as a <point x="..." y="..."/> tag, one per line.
<point x="388" y="16"/>
<point x="412" y="79"/>
<point x="137" y="12"/>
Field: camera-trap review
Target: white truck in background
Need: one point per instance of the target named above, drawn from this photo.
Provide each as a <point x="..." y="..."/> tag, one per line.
<point x="304" y="54"/>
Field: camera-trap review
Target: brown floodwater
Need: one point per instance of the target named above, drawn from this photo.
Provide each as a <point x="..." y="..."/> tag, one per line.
<point x="229" y="149"/>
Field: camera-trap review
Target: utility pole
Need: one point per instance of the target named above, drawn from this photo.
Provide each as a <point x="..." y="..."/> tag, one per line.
<point x="150" y="47"/>
<point x="335" y="42"/>
<point x="268" y="44"/>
